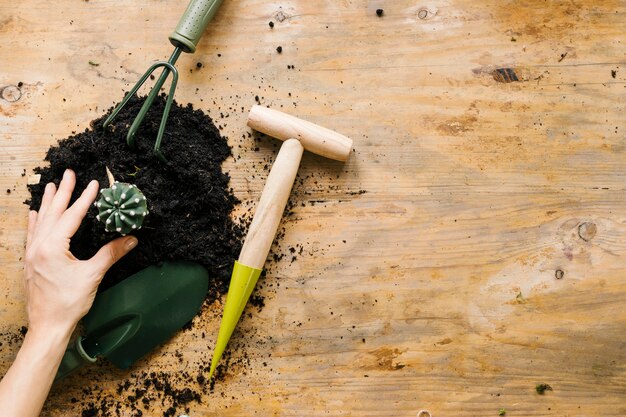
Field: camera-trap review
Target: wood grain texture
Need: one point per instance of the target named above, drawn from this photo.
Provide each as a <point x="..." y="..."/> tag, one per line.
<point x="435" y="289"/>
<point x="271" y="205"/>
<point x="315" y="138"/>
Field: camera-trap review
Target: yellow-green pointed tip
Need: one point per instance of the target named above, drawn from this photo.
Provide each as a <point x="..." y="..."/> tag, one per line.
<point x="242" y="282"/>
<point x="214" y="362"/>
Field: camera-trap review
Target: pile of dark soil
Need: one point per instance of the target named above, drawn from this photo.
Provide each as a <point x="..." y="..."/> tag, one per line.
<point x="189" y="198"/>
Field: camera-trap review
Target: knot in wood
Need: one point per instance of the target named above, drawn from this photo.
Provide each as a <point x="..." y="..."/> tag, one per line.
<point x="587" y="231"/>
<point x="11" y="93"/>
<point x="281" y="16"/>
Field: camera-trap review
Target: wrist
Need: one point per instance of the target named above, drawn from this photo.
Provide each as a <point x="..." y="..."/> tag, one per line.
<point x="42" y="351"/>
<point x="49" y="337"/>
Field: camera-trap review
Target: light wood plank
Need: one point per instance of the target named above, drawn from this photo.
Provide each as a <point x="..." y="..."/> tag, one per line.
<point x="475" y="190"/>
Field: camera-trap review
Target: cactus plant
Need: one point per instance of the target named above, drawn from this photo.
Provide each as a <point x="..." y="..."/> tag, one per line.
<point x="121" y="208"/>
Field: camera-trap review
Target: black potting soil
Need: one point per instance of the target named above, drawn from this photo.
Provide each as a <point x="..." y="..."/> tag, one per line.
<point x="189" y="198"/>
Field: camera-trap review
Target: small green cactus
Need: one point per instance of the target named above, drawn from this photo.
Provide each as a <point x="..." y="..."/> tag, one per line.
<point x="121" y="208"/>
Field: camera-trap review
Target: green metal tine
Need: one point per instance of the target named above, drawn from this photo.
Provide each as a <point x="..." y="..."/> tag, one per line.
<point x="166" y="112"/>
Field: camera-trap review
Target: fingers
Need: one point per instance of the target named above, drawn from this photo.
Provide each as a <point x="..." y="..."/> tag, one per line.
<point x="112" y="252"/>
<point x="63" y="195"/>
<point x="32" y="221"/>
<point x="71" y="219"/>
<point x="46" y="200"/>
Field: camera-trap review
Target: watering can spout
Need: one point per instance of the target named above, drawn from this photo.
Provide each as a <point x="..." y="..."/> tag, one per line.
<point x="242" y="283"/>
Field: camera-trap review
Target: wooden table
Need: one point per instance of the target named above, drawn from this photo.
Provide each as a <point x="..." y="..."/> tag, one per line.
<point x="489" y="162"/>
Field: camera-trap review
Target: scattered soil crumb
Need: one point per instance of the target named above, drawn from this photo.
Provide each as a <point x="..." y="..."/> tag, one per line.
<point x="542" y="388"/>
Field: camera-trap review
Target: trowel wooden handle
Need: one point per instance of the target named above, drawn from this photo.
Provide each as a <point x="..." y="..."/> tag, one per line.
<point x="314" y="138"/>
<point x="271" y="205"/>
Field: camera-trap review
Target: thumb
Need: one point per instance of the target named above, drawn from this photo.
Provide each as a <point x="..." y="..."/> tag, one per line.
<point x="113" y="252"/>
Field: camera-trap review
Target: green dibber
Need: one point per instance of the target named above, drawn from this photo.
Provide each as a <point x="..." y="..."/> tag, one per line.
<point x="314" y="138"/>
<point x="258" y="241"/>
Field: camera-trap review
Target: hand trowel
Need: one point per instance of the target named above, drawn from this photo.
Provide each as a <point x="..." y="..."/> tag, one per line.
<point x="133" y="317"/>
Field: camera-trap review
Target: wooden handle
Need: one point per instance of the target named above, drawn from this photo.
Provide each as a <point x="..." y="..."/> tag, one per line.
<point x="271" y="205"/>
<point x="314" y="138"/>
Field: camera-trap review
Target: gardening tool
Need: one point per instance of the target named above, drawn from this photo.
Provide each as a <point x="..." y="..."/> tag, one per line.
<point x="133" y="317"/>
<point x="184" y="38"/>
<point x="298" y="135"/>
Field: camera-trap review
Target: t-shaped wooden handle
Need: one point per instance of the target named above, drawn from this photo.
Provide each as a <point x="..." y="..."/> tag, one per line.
<point x="314" y="138"/>
<point x="298" y="135"/>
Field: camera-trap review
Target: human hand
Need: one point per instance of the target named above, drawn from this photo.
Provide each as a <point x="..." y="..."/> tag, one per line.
<point x="60" y="289"/>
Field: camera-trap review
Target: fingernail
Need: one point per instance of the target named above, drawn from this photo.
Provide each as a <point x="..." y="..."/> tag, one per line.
<point x="65" y="173"/>
<point x="131" y="243"/>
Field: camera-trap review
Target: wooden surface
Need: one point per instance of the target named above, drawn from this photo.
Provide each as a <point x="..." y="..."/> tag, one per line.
<point x="436" y="288"/>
